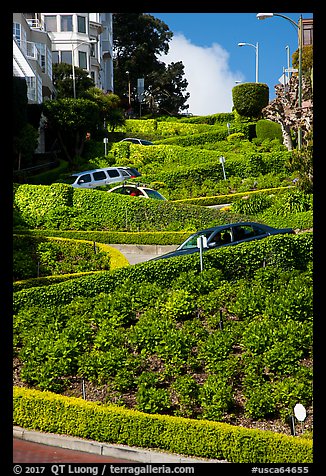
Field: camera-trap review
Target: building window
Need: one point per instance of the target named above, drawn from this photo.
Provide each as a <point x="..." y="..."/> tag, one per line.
<point x="66" y="57"/>
<point x="41" y="56"/>
<point x="48" y="62"/>
<point x="31" y="88"/>
<point x="55" y="57"/>
<point x="39" y="94"/>
<point x="50" y="22"/>
<point x="82" y="59"/>
<point x="16" y="32"/>
<point x="307" y="36"/>
<point x="66" y="22"/>
<point x="81" y="24"/>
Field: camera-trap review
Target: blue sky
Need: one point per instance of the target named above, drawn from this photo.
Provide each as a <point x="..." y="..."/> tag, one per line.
<point x="207" y="44"/>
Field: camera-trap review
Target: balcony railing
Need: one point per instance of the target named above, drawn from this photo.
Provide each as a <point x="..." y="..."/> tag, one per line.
<point x="35" y="24"/>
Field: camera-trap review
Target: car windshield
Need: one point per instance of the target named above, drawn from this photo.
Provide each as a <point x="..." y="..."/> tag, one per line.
<point x="70" y="180"/>
<point x="133" y="171"/>
<point x="154" y="194"/>
<point x="192" y="241"/>
<point x="146" y="142"/>
<point x="119" y="190"/>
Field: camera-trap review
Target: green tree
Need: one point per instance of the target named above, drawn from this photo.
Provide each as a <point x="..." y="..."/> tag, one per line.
<point x="302" y="161"/>
<point x="25" y="122"/>
<point x="25" y="144"/>
<point x="138" y="39"/>
<point x="166" y="92"/>
<point x="307" y="59"/>
<point x="71" y="119"/>
<point x="109" y="105"/>
<point x="63" y="82"/>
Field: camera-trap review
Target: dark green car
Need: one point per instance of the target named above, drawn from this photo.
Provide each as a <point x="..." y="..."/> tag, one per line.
<point x="224" y="235"/>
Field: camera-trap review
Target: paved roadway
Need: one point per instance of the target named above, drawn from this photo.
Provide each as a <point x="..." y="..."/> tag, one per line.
<point x="140" y="253"/>
<point x="30" y="452"/>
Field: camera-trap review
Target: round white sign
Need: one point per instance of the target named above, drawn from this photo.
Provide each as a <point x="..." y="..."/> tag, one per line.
<point x="300" y="412"/>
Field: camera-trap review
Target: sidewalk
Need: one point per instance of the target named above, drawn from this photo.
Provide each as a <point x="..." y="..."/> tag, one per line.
<point x="125" y="452"/>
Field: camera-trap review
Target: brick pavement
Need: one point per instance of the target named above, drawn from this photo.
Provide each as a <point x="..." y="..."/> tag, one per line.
<point x="30" y="452"/>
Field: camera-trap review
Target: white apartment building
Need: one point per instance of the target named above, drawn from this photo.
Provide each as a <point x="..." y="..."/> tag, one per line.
<point x="80" y="39"/>
<point x="83" y="40"/>
<point x="32" y="56"/>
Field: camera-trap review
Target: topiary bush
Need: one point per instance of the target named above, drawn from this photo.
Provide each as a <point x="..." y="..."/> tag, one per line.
<point x="266" y="129"/>
<point x="250" y="98"/>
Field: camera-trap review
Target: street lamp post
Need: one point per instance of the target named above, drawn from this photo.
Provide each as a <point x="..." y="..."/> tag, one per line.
<point x="298" y="26"/>
<point x="73" y="62"/>
<point x="256" y="48"/>
<point x="129" y="89"/>
<point x="288" y="60"/>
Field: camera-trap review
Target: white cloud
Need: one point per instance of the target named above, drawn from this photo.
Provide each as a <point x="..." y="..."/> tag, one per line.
<point x="210" y="80"/>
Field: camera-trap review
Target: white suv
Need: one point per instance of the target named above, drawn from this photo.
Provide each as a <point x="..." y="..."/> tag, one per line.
<point x="98" y="177"/>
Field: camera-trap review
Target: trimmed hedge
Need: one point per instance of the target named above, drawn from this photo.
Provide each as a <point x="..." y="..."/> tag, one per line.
<point x="266" y="129"/>
<point x="64" y="207"/>
<point x="218" y="118"/>
<point x="119" y="237"/>
<point x="231" y="197"/>
<point x="49" y="412"/>
<point x="116" y="260"/>
<point x="283" y="251"/>
<point x="162" y="128"/>
<point x="185" y="159"/>
<point x="188" y="131"/>
<point x="39" y="255"/>
<point x="47" y="280"/>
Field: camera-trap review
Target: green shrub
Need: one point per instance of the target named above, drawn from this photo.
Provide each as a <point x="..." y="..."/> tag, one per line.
<point x="152" y="400"/>
<point x="49" y="176"/>
<point x="291" y="390"/>
<point x="252" y="204"/>
<point x="145" y="238"/>
<point x="180" y="305"/>
<point x="217" y="347"/>
<point x="186" y="390"/>
<point x="197" y="284"/>
<point x="250" y="98"/>
<point x="235" y="137"/>
<point x="260" y="401"/>
<point x="266" y="129"/>
<point x="144" y="335"/>
<point x="98" y="366"/>
<point x="216" y="397"/>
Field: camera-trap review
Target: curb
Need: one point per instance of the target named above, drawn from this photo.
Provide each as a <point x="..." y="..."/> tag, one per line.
<point x="103" y="449"/>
